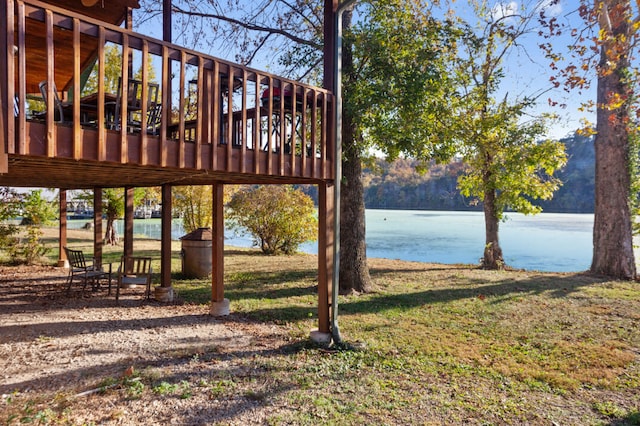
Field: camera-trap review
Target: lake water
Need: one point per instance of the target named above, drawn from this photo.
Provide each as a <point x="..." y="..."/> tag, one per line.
<point x="545" y="242"/>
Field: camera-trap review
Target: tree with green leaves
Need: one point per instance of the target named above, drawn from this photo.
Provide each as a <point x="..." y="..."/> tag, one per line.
<point x="10" y="206"/>
<point x="603" y="47"/>
<point x="279" y="218"/>
<point x="395" y="76"/>
<point x="113" y="71"/>
<point x="508" y="166"/>
<point x="113" y="208"/>
<point x="36" y="212"/>
<point x="195" y="205"/>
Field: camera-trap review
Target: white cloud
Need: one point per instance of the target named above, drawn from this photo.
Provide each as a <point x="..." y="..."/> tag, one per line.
<point x="504" y="10"/>
<point x="551" y="7"/>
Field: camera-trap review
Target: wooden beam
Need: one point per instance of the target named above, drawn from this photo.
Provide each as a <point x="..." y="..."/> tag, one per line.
<point x="63" y="262"/>
<point x="98" y="238"/>
<point x="325" y="255"/>
<point x="217" y="246"/>
<point x="128" y="221"/>
<point x="330" y="8"/>
<point x="166" y="20"/>
<point x="165" y="239"/>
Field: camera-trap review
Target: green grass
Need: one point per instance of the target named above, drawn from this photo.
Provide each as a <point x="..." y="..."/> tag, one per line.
<point x="469" y="344"/>
<point x="434" y="344"/>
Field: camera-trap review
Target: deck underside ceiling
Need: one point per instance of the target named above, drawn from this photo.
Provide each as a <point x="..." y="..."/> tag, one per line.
<point x="70" y="174"/>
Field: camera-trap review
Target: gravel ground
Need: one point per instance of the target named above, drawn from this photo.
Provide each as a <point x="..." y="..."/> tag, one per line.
<point x="54" y="347"/>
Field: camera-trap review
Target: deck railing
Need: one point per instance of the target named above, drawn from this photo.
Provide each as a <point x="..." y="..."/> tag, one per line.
<point x="164" y="106"/>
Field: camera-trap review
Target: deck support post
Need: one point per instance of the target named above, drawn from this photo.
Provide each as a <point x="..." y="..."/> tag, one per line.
<point x="164" y="293"/>
<point x="219" y="305"/>
<point x="325" y="262"/>
<point x="98" y="238"/>
<point x="128" y="221"/>
<point x="63" y="262"/>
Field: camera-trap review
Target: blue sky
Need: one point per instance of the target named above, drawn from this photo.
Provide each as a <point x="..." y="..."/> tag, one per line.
<point x="527" y="71"/>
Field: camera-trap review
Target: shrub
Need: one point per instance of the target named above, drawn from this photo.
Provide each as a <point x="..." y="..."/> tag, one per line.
<point x="279" y="218"/>
<point x="36" y="211"/>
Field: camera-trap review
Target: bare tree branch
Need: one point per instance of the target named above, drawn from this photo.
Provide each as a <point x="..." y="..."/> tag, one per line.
<point x="251" y="26"/>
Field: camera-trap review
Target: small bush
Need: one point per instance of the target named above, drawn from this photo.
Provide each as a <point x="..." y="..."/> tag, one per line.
<point x="279" y="218"/>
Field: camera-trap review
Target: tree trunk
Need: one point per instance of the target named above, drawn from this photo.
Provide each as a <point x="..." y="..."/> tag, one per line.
<point x="492" y="258"/>
<point x="111" y="235"/>
<point x="354" y="271"/>
<point x="612" y="232"/>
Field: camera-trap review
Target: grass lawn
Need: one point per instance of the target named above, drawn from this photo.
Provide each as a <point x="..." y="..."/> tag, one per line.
<point x="434" y="344"/>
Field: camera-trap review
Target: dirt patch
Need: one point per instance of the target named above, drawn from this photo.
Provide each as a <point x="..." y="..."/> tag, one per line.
<point x="52" y="345"/>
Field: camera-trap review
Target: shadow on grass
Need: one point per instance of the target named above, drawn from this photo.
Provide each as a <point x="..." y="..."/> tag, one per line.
<point x="472" y="288"/>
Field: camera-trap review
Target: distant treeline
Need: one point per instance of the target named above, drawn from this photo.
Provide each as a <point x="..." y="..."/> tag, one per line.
<point x="397" y="185"/>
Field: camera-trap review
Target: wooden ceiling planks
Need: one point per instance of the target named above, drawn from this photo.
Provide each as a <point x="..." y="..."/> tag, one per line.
<point x="43" y="172"/>
<point x="112" y="12"/>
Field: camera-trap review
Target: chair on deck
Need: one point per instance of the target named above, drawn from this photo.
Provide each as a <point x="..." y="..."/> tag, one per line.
<point x="86" y="272"/>
<point x="58" y="112"/>
<point x="134" y="107"/>
<point x="134" y="271"/>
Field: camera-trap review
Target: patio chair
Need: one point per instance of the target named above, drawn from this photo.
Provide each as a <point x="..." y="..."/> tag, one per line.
<point x="58" y="112"/>
<point x="134" y="271"/>
<point x="85" y="272"/>
<point x="134" y="107"/>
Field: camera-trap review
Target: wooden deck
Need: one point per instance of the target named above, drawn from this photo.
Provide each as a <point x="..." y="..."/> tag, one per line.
<point x="219" y="121"/>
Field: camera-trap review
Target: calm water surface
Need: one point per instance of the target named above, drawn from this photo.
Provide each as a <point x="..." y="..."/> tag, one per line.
<point x="545" y="242"/>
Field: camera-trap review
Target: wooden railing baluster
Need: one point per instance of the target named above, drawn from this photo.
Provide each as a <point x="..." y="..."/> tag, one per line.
<point x="229" y="122"/>
<point x="243" y="128"/>
<point x="124" y="97"/>
<point x="200" y="113"/>
<point x="215" y="118"/>
<point x="51" y="129"/>
<point x="102" y="132"/>
<point x="77" y="137"/>
<point x="22" y="90"/>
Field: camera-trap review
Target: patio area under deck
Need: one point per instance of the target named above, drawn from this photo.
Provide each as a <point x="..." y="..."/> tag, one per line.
<point x="211" y="122"/>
